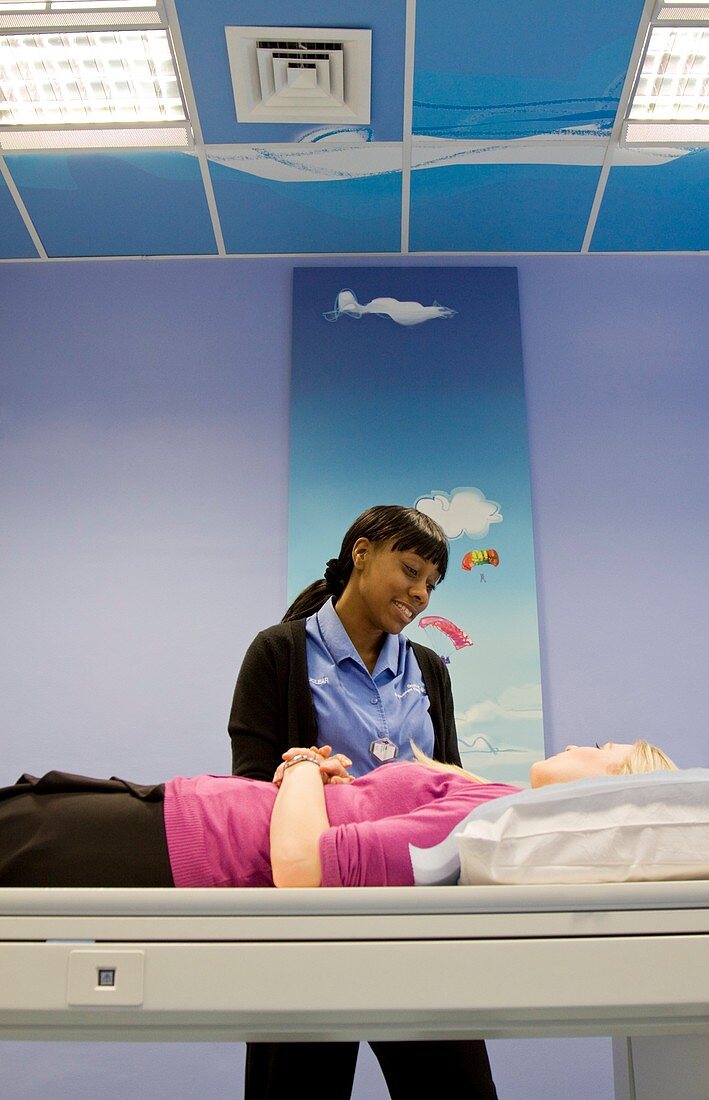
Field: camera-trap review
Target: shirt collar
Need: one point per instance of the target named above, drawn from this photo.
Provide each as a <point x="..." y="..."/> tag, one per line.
<point x="339" y="643"/>
<point x="389" y="656"/>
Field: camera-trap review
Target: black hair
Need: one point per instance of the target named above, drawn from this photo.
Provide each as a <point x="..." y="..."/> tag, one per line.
<point x="409" y="529"/>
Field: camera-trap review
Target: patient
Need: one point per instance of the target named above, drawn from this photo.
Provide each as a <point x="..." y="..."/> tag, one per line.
<point x="312" y="826"/>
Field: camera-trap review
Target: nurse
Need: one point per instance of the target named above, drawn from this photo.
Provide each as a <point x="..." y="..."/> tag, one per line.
<point x="338" y="671"/>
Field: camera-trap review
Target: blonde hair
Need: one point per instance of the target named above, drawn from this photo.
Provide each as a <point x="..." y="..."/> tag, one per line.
<point x="643" y="757"/>
<point x="437" y="766"/>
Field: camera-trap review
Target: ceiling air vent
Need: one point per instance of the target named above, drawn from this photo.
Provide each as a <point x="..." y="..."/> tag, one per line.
<point x="300" y="74"/>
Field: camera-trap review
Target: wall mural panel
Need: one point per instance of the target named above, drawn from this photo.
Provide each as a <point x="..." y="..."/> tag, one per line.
<point x="407" y="387"/>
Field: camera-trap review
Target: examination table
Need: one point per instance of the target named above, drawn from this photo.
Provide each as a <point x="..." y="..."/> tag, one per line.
<point x="623" y="960"/>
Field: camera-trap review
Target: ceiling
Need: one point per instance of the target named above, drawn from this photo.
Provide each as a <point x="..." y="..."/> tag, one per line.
<point x="494" y="128"/>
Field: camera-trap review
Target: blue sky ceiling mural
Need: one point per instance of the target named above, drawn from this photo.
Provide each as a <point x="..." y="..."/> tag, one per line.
<point x="493" y="128"/>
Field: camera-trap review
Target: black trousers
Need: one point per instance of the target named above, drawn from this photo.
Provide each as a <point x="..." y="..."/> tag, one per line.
<point x="71" y="830"/>
<point x="439" y="1070"/>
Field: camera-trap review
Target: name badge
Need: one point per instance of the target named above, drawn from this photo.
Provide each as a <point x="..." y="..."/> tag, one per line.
<point x="383" y="749"/>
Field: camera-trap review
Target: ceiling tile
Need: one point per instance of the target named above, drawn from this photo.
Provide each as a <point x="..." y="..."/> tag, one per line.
<point x="515" y="69"/>
<point x="202" y="27"/>
<point x="131" y="204"/>
<point x="15" y="241"/>
<point x="501" y="207"/>
<point x="656" y="207"/>
<point x="270" y="213"/>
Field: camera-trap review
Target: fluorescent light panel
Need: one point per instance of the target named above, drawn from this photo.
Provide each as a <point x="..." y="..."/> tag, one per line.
<point x="77" y="20"/>
<point x="73" y="5"/>
<point x="674" y="78"/>
<point x="668" y="14"/>
<point x="666" y="133"/>
<point x="93" y="77"/>
<point x="96" y="137"/>
<point x="68" y="14"/>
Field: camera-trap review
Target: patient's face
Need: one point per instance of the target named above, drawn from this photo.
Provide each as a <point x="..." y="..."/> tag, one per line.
<point x="579" y="762"/>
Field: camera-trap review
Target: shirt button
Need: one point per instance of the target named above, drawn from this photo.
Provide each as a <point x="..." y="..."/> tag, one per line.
<point x="374" y="701"/>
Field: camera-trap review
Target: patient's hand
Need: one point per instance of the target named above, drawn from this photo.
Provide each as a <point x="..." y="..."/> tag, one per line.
<point x="333" y="767"/>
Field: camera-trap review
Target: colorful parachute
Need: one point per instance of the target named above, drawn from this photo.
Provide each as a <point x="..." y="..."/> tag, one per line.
<point x="480" y="557"/>
<point x="456" y="636"/>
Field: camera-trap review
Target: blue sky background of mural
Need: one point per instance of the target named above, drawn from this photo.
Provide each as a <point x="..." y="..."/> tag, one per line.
<point x="384" y="412"/>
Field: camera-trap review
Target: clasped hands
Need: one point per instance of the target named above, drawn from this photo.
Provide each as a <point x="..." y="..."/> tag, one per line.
<point x="333" y="767"/>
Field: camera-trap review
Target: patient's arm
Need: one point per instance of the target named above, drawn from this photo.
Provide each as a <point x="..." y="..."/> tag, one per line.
<point x="298" y="820"/>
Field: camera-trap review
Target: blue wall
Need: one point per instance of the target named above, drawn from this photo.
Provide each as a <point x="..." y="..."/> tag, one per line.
<point x="143" y="448"/>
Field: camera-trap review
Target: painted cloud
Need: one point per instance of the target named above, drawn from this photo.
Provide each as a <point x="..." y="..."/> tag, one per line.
<point x="462" y="512"/>
<point x="404" y="313"/>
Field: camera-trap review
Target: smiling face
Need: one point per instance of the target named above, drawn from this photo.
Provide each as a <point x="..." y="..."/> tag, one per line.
<point x="579" y="762"/>
<point x="392" y="586"/>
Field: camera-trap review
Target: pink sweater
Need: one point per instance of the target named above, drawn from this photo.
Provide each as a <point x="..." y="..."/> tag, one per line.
<point x="218" y="826"/>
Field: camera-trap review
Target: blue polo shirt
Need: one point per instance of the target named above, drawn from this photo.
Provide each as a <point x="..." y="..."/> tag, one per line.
<point x="369" y="717"/>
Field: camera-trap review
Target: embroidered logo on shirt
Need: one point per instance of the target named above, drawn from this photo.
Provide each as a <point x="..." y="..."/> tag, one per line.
<point x="321" y="680"/>
<point x="408" y="688"/>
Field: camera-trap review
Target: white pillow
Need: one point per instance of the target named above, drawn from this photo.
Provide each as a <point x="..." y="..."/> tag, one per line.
<point x="633" y="828"/>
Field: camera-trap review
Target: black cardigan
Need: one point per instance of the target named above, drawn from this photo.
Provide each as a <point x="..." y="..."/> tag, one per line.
<point x="273" y="706"/>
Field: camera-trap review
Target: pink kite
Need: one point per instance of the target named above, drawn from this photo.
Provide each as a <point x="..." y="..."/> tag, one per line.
<point x="457" y="636"/>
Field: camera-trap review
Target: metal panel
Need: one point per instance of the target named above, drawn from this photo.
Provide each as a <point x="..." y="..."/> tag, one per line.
<point x="403" y="990"/>
<point x="430" y="962"/>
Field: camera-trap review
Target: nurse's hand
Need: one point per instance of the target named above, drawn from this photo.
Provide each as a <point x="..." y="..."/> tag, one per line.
<point x="333" y="767"/>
